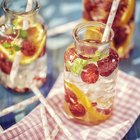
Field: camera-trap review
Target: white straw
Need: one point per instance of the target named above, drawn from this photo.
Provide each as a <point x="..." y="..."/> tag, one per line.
<point x="54" y="132"/>
<point x="28" y="8"/>
<point x="15" y="66"/>
<point x="18" y="106"/>
<point x="18" y="55"/>
<point x="37" y="92"/>
<point x="1" y="129"/>
<point x="110" y="20"/>
<point x="45" y="123"/>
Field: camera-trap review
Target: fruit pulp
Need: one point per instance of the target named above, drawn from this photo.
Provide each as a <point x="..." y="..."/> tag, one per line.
<point x="89" y="86"/>
<point x="123" y="25"/>
<point x="32" y="44"/>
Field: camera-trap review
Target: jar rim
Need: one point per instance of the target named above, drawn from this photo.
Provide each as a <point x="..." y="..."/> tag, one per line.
<point x="32" y="11"/>
<point x="82" y="25"/>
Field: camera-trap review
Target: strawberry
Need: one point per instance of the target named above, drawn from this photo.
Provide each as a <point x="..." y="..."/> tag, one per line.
<point x="28" y="49"/>
<point x="107" y="65"/>
<point x="90" y="73"/>
<point x="70" y="97"/>
<point x="5" y="66"/>
<point x="77" y="110"/>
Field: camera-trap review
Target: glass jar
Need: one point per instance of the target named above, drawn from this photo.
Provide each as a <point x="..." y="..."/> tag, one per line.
<point x="22" y="32"/>
<point x="123" y="26"/>
<point x="90" y="72"/>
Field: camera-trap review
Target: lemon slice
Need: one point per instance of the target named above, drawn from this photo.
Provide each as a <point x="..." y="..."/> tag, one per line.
<point x="24" y="59"/>
<point x="128" y="12"/>
<point x="80" y="95"/>
<point x="92" y="33"/>
<point x="92" y="114"/>
<point x="38" y="38"/>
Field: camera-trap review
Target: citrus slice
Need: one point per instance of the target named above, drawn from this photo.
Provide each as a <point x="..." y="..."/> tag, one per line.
<point x="124" y="48"/>
<point x="127" y="14"/>
<point x="37" y="37"/>
<point x="24" y="59"/>
<point x="92" y="33"/>
<point x="92" y="115"/>
<point x="80" y="95"/>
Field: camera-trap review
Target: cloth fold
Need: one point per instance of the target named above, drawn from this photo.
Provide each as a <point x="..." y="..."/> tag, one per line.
<point x="126" y="111"/>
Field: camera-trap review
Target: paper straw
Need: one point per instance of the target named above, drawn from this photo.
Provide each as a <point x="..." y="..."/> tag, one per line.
<point x="110" y="20"/>
<point x="45" y="123"/>
<point x="1" y="129"/>
<point x="37" y="92"/>
<point x="15" y="66"/>
<point x="18" y="55"/>
<point x="18" y="106"/>
<point x="54" y="132"/>
<point x="28" y="8"/>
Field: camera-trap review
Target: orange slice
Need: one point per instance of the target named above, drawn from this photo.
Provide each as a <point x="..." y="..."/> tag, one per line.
<point x="92" y="33"/>
<point x="38" y="39"/>
<point x="92" y="114"/>
<point x="128" y="12"/>
<point x="124" y="48"/>
<point x="80" y="95"/>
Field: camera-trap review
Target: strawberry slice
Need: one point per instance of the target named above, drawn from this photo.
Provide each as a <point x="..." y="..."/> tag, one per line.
<point x="108" y="65"/>
<point x="28" y="49"/>
<point x="77" y="110"/>
<point x="90" y="73"/>
<point x="70" y="97"/>
<point x="5" y="66"/>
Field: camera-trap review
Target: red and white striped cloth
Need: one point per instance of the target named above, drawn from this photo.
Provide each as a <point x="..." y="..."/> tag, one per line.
<point x="125" y="113"/>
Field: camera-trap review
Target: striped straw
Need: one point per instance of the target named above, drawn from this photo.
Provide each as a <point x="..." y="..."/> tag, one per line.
<point x="1" y="129"/>
<point x="45" y="123"/>
<point x="18" y="106"/>
<point x="18" y="55"/>
<point x="42" y="99"/>
<point x="110" y="20"/>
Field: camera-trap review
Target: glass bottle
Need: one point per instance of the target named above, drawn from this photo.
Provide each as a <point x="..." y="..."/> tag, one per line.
<point x="123" y="26"/>
<point x="90" y="72"/>
<point x="22" y="31"/>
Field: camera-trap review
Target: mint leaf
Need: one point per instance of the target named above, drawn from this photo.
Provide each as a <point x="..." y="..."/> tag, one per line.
<point x="6" y="45"/>
<point x="23" y="34"/>
<point x="78" y="65"/>
<point x="16" y="47"/>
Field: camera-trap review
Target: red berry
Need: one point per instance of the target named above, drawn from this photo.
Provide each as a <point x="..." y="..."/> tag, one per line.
<point x="90" y="73"/>
<point x="77" y="110"/>
<point x="70" y="97"/>
<point x="28" y="49"/>
<point x="107" y="65"/>
<point x="5" y="66"/>
<point x="94" y="104"/>
<point x="104" y="111"/>
<point x="70" y="54"/>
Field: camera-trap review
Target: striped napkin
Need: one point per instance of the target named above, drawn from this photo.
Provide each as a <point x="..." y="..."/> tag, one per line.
<point x="126" y="111"/>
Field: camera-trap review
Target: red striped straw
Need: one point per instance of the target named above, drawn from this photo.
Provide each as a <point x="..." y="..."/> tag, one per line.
<point x="110" y="20"/>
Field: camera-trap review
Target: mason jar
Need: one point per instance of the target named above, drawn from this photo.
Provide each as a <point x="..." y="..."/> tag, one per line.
<point x="24" y="32"/>
<point x="90" y="73"/>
